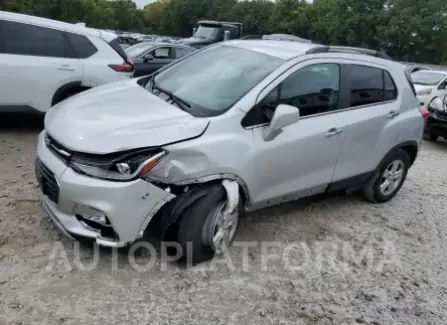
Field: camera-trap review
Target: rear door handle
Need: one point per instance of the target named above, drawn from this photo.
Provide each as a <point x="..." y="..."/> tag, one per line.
<point x="333" y="132"/>
<point x="393" y="114"/>
<point x="65" y="67"/>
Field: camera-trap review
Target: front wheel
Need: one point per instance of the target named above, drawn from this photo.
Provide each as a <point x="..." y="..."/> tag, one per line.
<point x="388" y="177"/>
<point x="206" y="229"/>
<point x="429" y="136"/>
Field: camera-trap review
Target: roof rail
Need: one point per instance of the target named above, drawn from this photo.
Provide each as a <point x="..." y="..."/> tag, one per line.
<point x="346" y="49"/>
<point x="214" y="22"/>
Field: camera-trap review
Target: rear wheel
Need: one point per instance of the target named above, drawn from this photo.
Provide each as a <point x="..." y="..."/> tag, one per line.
<point x="388" y="177"/>
<point x="206" y="228"/>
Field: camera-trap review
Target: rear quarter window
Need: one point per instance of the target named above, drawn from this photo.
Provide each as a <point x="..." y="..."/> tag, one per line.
<point x="82" y="46"/>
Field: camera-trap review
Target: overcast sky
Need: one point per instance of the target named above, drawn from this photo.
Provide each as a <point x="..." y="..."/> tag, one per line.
<point x="142" y="3"/>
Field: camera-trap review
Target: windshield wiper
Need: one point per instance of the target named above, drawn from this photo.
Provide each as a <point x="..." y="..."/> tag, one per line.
<point x="184" y="105"/>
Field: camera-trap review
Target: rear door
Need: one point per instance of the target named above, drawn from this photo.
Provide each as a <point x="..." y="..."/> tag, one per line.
<point x="371" y="112"/>
<point x="34" y="62"/>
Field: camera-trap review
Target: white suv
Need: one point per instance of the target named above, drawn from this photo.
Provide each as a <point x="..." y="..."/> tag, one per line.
<point x="43" y="62"/>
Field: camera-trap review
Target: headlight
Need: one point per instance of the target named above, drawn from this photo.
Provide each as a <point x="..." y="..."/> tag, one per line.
<point x="117" y="167"/>
<point x="424" y="92"/>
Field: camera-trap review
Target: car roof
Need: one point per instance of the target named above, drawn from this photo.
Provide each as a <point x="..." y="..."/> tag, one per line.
<point x="60" y="25"/>
<point x="281" y="49"/>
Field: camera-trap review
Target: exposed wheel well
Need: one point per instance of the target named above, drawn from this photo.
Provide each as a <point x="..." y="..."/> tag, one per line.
<point x="411" y="150"/>
<point x="66" y="91"/>
<point x="159" y="229"/>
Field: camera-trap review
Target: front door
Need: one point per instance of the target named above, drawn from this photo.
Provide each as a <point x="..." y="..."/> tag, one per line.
<point x="301" y="160"/>
<point x="161" y="56"/>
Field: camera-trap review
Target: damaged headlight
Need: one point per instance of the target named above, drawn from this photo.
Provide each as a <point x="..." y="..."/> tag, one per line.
<point x="117" y="167"/>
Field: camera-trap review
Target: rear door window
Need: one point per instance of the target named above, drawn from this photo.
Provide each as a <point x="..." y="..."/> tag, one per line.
<point x="390" y="92"/>
<point x="370" y="85"/>
<point x="366" y="85"/>
<point x="82" y="46"/>
<point x="24" y="39"/>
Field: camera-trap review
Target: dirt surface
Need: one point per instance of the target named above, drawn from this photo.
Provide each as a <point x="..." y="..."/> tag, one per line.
<point x="338" y="261"/>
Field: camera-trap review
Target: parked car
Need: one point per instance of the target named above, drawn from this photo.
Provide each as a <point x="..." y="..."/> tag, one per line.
<point x="149" y="57"/>
<point x="208" y="32"/>
<point x="436" y="125"/>
<point x="235" y="127"/>
<point x="43" y="62"/>
<point x="429" y="84"/>
<point x="413" y="68"/>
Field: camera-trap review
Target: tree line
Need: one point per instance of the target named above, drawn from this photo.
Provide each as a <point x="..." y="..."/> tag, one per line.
<point x="409" y="30"/>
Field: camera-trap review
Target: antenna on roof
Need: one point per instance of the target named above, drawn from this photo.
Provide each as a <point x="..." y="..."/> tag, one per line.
<point x="80" y="24"/>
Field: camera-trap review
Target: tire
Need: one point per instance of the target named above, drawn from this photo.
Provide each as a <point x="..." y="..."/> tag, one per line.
<point x="69" y="93"/>
<point x="372" y="190"/>
<point x="195" y="228"/>
<point x="429" y="136"/>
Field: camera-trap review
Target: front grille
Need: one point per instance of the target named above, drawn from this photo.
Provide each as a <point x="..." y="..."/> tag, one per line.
<point x="47" y="181"/>
<point x="59" y="150"/>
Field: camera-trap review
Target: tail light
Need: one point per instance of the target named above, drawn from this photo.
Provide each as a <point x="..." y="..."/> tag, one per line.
<point x="424" y="112"/>
<point x="123" y="67"/>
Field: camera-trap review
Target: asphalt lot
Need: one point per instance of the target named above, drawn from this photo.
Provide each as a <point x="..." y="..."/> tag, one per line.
<point x="336" y="261"/>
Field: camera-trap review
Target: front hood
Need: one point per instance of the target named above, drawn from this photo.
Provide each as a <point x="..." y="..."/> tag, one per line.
<point x="117" y="117"/>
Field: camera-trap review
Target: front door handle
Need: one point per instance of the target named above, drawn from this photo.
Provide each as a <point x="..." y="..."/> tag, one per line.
<point x="333" y="132"/>
<point x="393" y="114"/>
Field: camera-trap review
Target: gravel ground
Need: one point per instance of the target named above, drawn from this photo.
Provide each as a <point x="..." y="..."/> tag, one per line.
<point x="336" y="261"/>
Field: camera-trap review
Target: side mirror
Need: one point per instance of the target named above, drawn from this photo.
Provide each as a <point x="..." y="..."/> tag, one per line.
<point x="194" y="31"/>
<point x="226" y="35"/>
<point x="438" y="104"/>
<point x="148" y="57"/>
<point x="284" y="115"/>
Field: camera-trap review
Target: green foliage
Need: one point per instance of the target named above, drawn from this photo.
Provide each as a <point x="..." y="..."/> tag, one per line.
<point x="414" y="30"/>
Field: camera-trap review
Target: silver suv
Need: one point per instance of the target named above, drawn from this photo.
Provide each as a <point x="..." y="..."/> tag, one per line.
<point x="235" y="127"/>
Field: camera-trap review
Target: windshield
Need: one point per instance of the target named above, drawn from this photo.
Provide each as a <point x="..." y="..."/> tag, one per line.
<point x="214" y="79"/>
<point x="427" y="78"/>
<point x="135" y="51"/>
<point x="209" y="32"/>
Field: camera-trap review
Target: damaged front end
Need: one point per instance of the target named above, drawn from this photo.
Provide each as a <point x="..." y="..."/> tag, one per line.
<point x="160" y="222"/>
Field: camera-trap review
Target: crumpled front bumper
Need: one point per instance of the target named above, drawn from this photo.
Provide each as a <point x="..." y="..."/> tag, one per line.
<point x="129" y="206"/>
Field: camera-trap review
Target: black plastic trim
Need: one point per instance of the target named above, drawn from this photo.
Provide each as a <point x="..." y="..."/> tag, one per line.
<point x="59" y="94"/>
<point x="350" y="182"/>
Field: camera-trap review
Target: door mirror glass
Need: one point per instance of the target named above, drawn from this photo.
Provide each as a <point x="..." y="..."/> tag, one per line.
<point x="148" y="57"/>
<point x="284" y="115"/>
